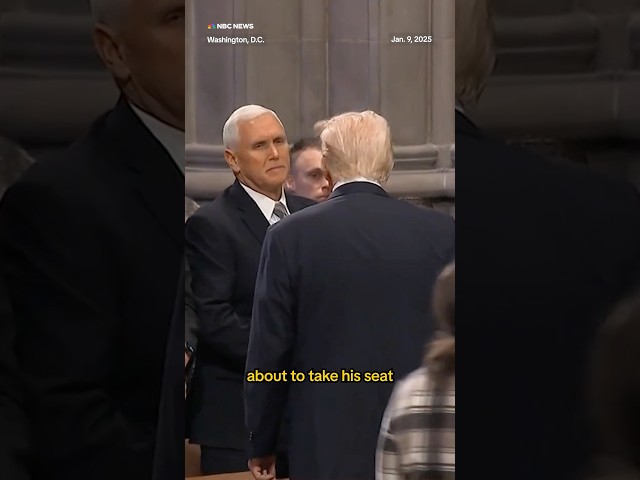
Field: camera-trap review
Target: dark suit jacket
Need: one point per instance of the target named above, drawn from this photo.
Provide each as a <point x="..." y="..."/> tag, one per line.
<point x="169" y="453"/>
<point x="546" y="249"/>
<point x="223" y="241"/>
<point x="342" y="285"/>
<point x="14" y="428"/>
<point x="92" y="240"/>
<point x="190" y="317"/>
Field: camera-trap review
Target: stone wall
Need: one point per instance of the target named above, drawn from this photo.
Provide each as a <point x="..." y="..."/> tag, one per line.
<point x="320" y="58"/>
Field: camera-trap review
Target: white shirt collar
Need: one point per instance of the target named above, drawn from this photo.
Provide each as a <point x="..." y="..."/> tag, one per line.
<point x="356" y="179"/>
<point x="265" y="204"/>
<point x="171" y="138"/>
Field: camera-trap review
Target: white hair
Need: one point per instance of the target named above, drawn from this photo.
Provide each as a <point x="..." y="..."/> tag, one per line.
<point x="107" y="12"/>
<point x="242" y="114"/>
<point x="356" y="144"/>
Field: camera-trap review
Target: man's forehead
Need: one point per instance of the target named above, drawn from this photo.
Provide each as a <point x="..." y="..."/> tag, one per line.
<point x="311" y="157"/>
<point x="264" y="125"/>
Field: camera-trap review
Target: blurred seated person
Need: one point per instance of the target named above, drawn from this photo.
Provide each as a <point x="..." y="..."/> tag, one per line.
<point x="308" y="177"/>
<point x="407" y="447"/>
<point x="615" y="391"/>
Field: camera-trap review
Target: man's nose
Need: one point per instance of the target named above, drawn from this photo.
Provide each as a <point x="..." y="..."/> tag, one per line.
<point x="275" y="154"/>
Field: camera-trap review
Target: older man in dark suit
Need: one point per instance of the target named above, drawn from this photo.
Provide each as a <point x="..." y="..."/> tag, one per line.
<point x="92" y="243"/>
<point x="342" y="287"/>
<point x="223" y="240"/>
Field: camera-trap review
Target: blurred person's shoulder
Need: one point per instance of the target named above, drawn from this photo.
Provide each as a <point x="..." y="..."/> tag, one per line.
<point x="84" y="163"/>
<point x="497" y="168"/>
<point x="419" y="386"/>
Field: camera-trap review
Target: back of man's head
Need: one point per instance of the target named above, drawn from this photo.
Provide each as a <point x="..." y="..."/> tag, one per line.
<point x="107" y="12"/>
<point x="356" y="144"/>
<point x="475" y="55"/>
<point x="141" y="42"/>
<point x="14" y="161"/>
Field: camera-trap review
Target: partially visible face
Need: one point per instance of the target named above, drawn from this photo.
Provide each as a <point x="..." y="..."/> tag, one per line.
<point x="260" y="159"/>
<point x="308" y="177"/>
<point x="151" y="60"/>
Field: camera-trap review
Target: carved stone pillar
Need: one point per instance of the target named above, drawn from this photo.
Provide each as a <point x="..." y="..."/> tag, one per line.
<point x="321" y="58"/>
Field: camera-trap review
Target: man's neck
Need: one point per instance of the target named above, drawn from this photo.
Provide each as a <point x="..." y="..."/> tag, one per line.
<point x="275" y="196"/>
<point x="339" y="183"/>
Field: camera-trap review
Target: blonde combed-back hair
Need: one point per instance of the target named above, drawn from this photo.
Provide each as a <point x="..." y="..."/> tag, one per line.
<point x="356" y="144"/>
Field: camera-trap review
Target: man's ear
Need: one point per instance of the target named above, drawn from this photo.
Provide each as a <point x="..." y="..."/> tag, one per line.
<point x="110" y="49"/>
<point x="232" y="161"/>
<point x="290" y="184"/>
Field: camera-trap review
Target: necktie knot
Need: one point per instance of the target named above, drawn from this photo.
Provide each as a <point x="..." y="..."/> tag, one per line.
<point x="280" y="211"/>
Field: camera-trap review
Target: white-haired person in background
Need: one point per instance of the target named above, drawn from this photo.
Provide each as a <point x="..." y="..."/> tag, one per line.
<point x="223" y="240"/>
<point x="95" y="233"/>
<point x="341" y="286"/>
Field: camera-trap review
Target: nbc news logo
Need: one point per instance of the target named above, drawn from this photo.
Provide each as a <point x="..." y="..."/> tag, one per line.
<point x="230" y="26"/>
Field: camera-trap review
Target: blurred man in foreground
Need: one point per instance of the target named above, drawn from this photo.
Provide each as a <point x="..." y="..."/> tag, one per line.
<point x="95" y="234"/>
<point x="542" y="271"/>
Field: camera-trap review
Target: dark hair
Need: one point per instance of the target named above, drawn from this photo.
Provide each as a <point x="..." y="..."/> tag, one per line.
<point x="615" y="382"/>
<point x="441" y="352"/>
<point x="301" y="145"/>
<point x="14" y="161"/>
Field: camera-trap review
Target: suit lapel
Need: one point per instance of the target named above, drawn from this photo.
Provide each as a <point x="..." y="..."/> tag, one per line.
<point x="292" y="203"/>
<point x="153" y="173"/>
<point x="250" y="214"/>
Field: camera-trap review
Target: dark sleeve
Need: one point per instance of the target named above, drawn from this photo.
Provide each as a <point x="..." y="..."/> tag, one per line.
<point x="190" y="317"/>
<point x="64" y="294"/>
<point x="210" y="253"/>
<point x="631" y="284"/>
<point x="270" y="346"/>
<point x="13" y="423"/>
<point x="168" y="458"/>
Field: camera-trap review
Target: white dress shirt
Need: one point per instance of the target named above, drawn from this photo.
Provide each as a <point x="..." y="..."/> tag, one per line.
<point x="265" y="204"/>
<point x="357" y="179"/>
<point x="171" y="138"/>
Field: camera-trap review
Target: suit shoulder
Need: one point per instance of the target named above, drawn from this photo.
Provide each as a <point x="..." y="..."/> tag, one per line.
<point x="213" y="214"/>
<point x="424" y="214"/>
<point x="497" y="165"/>
<point x="300" y="202"/>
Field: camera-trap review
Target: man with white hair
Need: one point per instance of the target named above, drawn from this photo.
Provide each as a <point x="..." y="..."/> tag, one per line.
<point x="92" y="242"/>
<point x="223" y="241"/>
<point x="341" y="290"/>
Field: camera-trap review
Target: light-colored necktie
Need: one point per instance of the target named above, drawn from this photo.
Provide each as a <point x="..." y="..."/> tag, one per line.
<point x="280" y="211"/>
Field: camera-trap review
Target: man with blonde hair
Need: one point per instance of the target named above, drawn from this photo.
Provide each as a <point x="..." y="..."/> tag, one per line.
<point x="540" y="270"/>
<point x="339" y="295"/>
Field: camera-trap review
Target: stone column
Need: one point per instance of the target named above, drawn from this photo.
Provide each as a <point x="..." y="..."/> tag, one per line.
<point x="321" y="58"/>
